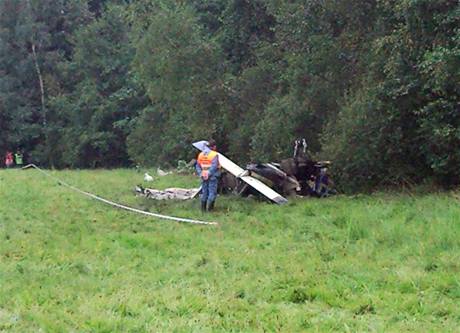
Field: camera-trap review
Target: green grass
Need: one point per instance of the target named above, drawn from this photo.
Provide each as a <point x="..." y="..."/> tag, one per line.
<point x="380" y="263"/>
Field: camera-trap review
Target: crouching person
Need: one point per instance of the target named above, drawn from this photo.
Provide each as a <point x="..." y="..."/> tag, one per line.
<point x="324" y="185"/>
<point x="208" y="168"/>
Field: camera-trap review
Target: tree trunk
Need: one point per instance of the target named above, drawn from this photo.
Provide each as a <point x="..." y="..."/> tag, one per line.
<point x="48" y="154"/>
<point x="42" y="88"/>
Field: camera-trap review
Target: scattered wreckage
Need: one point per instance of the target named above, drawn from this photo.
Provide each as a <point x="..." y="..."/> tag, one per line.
<point x="173" y="193"/>
<point x="299" y="175"/>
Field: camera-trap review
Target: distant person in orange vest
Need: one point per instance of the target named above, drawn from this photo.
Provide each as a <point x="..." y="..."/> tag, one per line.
<point x="9" y="161"/>
<point x="207" y="167"/>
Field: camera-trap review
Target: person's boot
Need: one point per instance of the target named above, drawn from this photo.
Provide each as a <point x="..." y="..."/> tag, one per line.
<point x="211" y="206"/>
<point x="203" y="206"/>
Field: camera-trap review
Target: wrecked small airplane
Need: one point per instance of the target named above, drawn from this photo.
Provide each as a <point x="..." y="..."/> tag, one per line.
<point x="244" y="175"/>
<point x="299" y="175"/>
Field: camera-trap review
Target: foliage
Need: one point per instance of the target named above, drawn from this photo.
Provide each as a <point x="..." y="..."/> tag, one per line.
<point x="46" y="26"/>
<point x="372" y="84"/>
<point x="403" y="124"/>
<point x="103" y="95"/>
<point x="179" y="69"/>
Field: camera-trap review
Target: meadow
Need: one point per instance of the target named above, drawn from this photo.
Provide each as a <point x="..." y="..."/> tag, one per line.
<point x="386" y="262"/>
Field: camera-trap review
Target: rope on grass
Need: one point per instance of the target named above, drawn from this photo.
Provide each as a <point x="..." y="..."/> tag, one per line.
<point x="114" y="204"/>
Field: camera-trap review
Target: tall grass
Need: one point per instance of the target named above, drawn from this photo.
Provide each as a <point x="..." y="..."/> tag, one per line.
<point x="386" y="262"/>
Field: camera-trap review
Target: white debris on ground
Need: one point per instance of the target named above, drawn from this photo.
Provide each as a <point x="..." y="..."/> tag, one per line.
<point x="168" y="194"/>
<point x="162" y="173"/>
<point x="147" y="177"/>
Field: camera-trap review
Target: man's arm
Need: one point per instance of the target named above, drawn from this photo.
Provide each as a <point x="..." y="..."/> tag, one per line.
<point x="198" y="168"/>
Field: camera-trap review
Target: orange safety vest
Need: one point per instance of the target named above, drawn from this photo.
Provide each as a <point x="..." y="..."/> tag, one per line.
<point x="205" y="161"/>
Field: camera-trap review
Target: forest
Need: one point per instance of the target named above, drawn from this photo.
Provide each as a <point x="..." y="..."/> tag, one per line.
<point x="373" y="85"/>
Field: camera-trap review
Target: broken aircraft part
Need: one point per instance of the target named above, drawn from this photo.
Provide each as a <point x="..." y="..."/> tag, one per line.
<point x="275" y="178"/>
<point x="242" y="174"/>
<point x="298" y="175"/>
<point x="168" y="194"/>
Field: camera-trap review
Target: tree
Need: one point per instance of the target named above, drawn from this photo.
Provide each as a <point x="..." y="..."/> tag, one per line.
<point x="97" y="109"/>
<point x="179" y="69"/>
<point x="35" y="38"/>
<point x="403" y="124"/>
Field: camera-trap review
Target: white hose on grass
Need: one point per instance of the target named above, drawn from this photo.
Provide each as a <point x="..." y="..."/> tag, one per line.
<point x="114" y="204"/>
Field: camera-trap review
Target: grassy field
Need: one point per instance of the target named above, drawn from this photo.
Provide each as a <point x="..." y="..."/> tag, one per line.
<point x="380" y="263"/>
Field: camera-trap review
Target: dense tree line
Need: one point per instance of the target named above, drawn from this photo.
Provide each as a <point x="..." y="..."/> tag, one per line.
<point x="372" y="84"/>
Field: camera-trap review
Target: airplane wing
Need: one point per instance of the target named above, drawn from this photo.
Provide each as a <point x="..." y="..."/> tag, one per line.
<point x="240" y="173"/>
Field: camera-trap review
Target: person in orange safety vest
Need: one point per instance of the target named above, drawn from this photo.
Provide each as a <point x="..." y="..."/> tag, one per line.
<point x="208" y="168"/>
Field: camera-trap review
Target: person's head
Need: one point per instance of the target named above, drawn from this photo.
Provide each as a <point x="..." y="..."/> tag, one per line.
<point x="212" y="144"/>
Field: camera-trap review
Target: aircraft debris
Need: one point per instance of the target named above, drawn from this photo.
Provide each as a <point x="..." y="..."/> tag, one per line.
<point x="299" y="175"/>
<point x="162" y="173"/>
<point x="244" y="176"/>
<point x="173" y="193"/>
<point x="147" y="177"/>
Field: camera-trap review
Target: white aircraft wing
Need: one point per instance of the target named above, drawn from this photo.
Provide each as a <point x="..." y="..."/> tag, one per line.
<point x="240" y="173"/>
